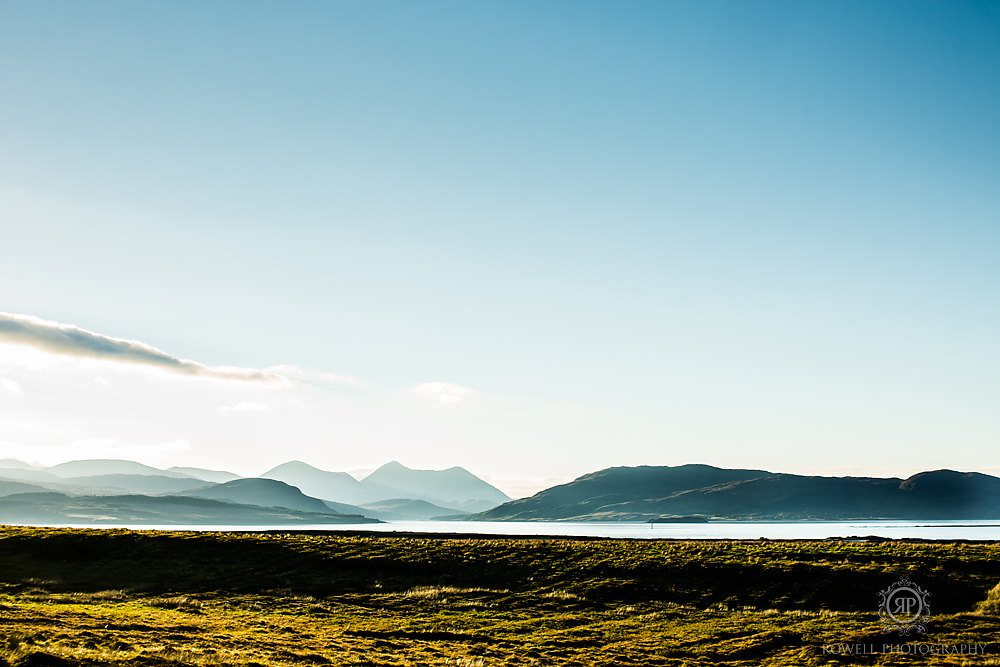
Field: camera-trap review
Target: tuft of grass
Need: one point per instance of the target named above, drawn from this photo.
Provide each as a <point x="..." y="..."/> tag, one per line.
<point x="434" y="592"/>
<point x="991" y="605"/>
<point x="99" y="596"/>
<point x="179" y="602"/>
<point x="560" y="595"/>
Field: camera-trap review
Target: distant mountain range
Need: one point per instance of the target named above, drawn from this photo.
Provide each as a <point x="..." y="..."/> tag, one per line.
<point x="59" y="508"/>
<point x="334" y="486"/>
<point x="118" y="491"/>
<point x="647" y="493"/>
<point x="95" y="467"/>
<point x="455" y="490"/>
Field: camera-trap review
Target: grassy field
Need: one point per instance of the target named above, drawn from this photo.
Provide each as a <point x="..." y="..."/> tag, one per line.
<point x="114" y="597"/>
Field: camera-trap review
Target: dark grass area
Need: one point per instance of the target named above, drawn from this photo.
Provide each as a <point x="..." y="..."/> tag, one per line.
<point x="781" y="574"/>
<point x="236" y="598"/>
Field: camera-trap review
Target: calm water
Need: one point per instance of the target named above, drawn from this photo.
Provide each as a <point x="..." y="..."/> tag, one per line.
<point x="936" y="530"/>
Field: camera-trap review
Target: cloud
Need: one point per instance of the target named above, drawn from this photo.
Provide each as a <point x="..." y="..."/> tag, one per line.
<point x="444" y="393"/>
<point x="70" y="340"/>
<point x="243" y="406"/>
<point x="309" y="375"/>
<point x="7" y="384"/>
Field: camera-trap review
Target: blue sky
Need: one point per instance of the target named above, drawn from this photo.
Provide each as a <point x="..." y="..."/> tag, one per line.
<point x="748" y="234"/>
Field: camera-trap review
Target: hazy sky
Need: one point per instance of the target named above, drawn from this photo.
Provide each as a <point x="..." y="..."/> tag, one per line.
<point x="532" y="239"/>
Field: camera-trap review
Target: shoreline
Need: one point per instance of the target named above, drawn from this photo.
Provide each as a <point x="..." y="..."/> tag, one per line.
<point x="470" y="536"/>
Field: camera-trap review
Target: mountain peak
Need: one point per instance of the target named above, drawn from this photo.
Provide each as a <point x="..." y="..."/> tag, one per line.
<point x="313" y="481"/>
<point x="454" y="487"/>
<point x="292" y="466"/>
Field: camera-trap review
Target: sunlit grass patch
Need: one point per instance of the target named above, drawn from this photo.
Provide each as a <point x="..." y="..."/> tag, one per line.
<point x="116" y="595"/>
<point x="170" y="599"/>
<point x="560" y="595"/>
<point x="179" y="602"/>
<point x="991" y="605"/>
<point x="434" y="592"/>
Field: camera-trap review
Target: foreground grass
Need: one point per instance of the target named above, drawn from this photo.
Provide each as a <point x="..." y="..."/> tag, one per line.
<point x="169" y="598"/>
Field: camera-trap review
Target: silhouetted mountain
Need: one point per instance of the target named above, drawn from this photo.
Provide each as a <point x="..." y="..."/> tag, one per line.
<point x="646" y="493"/>
<point x="102" y="485"/>
<point x="336" y="486"/>
<point x="58" y="508"/>
<point x="28" y="475"/>
<point x="9" y="487"/>
<point x="261" y="492"/>
<point x="217" y="476"/>
<point x="455" y="487"/>
<point x="118" y="484"/>
<point x="592" y="492"/>
<point x="344" y="508"/>
<point x="452" y="488"/>
<point x="398" y="492"/>
<point x="402" y="509"/>
<point x="16" y="463"/>
<point x="91" y="467"/>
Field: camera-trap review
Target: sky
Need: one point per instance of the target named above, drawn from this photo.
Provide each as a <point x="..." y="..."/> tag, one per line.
<point x="530" y="239"/>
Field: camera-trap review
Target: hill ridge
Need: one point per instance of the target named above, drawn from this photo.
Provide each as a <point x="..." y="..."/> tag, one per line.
<point x="643" y="493"/>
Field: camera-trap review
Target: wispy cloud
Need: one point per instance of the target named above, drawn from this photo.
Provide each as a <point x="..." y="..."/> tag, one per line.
<point x="444" y="393"/>
<point x="309" y="375"/>
<point x="70" y="340"/>
<point x="243" y="406"/>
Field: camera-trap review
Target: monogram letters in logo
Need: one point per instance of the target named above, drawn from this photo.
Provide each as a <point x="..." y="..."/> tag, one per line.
<point x="904" y="607"/>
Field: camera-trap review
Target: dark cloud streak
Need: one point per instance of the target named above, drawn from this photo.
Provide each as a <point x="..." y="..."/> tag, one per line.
<point x="67" y="339"/>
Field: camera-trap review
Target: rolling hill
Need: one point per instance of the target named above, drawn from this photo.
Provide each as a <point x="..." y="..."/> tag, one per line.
<point x="217" y="476"/>
<point x="401" y="509"/>
<point x="15" y="463"/>
<point x="90" y="467"/>
<point x="29" y="475"/>
<point x="113" y="484"/>
<point x="262" y="493"/>
<point x="11" y="487"/>
<point x="645" y="493"/>
<point x="59" y="508"/>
